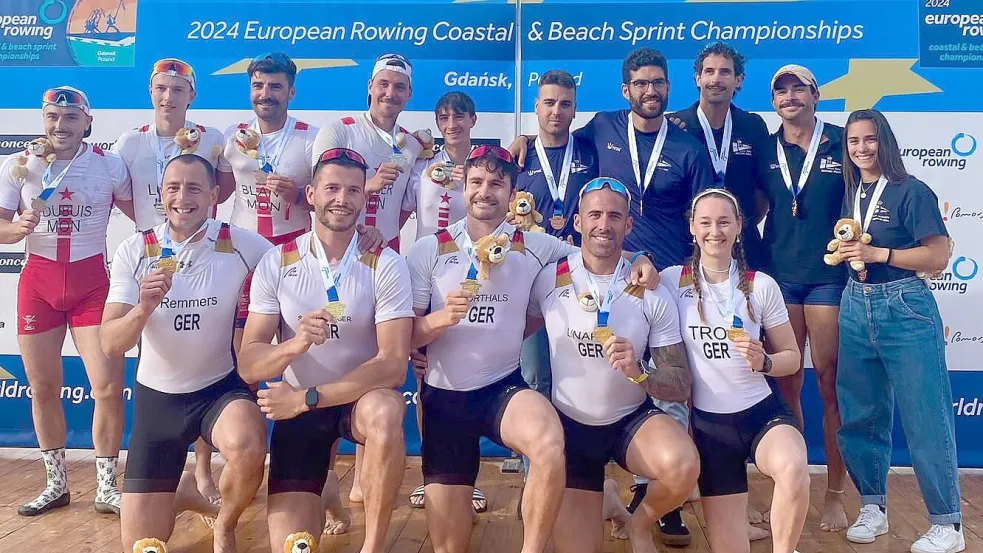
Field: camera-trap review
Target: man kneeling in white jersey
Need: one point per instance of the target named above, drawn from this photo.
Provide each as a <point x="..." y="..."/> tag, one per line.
<point x="473" y="386"/>
<point x="597" y="320"/>
<point x="345" y="320"/>
<point x="175" y="290"/>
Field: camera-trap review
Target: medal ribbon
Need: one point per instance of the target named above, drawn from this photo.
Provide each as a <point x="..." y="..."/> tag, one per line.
<point x="604" y="307"/>
<point x="170" y="248"/>
<point x="390" y="139"/>
<point x="719" y="158"/>
<point x="49" y="184"/>
<point x="796" y="188"/>
<point x="268" y="164"/>
<point x="558" y="190"/>
<point x="730" y="302"/>
<point x="872" y="206"/>
<point x="332" y="279"/>
<point x="660" y="141"/>
<point x="469" y="249"/>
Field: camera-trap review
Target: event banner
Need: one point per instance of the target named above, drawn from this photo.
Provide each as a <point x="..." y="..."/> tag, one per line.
<point x="918" y="61"/>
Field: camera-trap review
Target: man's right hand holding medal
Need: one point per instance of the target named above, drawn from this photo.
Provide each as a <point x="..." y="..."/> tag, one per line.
<point x="27" y="221"/>
<point x="313" y="330"/>
<point x="456" y="306"/>
<point x="153" y="288"/>
<point x="385" y="175"/>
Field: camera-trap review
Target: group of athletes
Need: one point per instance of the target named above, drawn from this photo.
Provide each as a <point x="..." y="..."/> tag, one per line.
<point x="653" y="324"/>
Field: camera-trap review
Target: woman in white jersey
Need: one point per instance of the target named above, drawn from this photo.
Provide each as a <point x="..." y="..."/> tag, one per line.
<point x="723" y="311"/>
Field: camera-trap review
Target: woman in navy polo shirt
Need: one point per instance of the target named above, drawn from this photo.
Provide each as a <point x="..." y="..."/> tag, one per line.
<point x="891" y="338"/>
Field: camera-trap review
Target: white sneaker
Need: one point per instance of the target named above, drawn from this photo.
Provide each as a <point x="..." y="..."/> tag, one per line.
<point x="871" y="523"/>
<point x="940" y="538"/>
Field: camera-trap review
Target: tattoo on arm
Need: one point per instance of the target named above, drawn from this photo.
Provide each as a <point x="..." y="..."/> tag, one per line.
<point x="671" y="380"/>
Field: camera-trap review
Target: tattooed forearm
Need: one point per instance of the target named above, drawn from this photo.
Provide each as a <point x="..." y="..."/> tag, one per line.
<point x="671" y="380"/>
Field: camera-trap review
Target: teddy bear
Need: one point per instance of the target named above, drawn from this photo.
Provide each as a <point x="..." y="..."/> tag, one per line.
<point x="523" y="211"/>
<point x="149" y="545"/>
<point x="936" y="274"/>
<point x="300" y="542"/>
<point x="18" y="169"/>
<point x="247" y="142"/>
<point x="426" y="138"/>
<point x="587" y="302"/>
<point x="490" y="251"/>
<point x="846" y="230"/>
<point x="187" y="139"/>
<point x="42" y="149"/>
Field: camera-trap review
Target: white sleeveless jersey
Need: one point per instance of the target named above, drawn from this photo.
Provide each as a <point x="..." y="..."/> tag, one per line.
<point x="585" y="386"/>
<point x="381" y="210"/>
<point x="139" y="147"/>
<point x="74" y="224"/>
<point x="376" y="289"/>
<point x="257" y="209"/>
<point x="187" y="343"/>
<point x="436" y="206"/>
<point x="484" y="347"/>
<point x="723" y="381"/>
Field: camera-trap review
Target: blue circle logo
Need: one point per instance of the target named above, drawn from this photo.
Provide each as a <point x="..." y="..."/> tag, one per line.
<point x="960" y="152"/>
<point x="63" y="13"/>
<point x="963" y="276"/>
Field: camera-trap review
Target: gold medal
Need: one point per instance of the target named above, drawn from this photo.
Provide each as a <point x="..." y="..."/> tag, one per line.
<point x="260" y="176"/>
<point x="38" y="204"/>
<point x="336" y="309"/>
<point x="602" y="333"/>
<point x="167" y="264"/>
<point x="471" y="285"/>
<point x="558" y="222"/>
<point x="795" y="208"/>
<point x="735" y="334"/>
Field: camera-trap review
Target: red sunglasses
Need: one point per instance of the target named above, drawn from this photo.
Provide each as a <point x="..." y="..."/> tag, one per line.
<point x="484" y="149"/>
<point x="342" y="154"/>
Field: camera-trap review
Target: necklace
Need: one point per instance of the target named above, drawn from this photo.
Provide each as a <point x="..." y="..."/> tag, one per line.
<point x="864" y="188"/>
<point x="705" y="268"/>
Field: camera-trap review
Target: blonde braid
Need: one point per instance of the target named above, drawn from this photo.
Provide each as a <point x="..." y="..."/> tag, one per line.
<point x="695" y="264"/>
<point x="743" y="284"/>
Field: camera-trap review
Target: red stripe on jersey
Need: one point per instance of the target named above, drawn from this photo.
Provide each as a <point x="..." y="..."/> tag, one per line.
<point x="145" y="128"/>
<point x="518" y="242"/>
<point x="98" y="151"/>
<point x="563" y="274"/>
<point x="301" y="126"/>
<point x="445" y="243"/>
<point x="63" y="231"/>
<point x="371" y="210"/>
<point x="348" y="120"/>
<point x="289" y="254"/>
<point x="243" y="126"/>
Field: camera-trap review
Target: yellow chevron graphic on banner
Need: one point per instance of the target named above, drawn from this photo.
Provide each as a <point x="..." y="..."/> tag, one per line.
<point x="243" y="64"/>
<point x="4" y="375"/>
<point x="869" y="80"/>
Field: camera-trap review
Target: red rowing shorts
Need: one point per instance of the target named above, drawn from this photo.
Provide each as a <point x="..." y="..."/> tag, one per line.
<point x="51" y="294"/>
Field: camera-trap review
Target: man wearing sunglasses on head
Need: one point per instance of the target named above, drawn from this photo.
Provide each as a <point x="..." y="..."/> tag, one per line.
<point x="64" y="200"/>
<point x="268" y="178"/>
<point x="389" y="149"/>
<point x="608" y="414"/>
<point x="345" y="319"/>
<point x="470" y="313"/>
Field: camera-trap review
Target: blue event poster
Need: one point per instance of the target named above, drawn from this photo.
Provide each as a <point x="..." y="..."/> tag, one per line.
<point x="950" y="33"/>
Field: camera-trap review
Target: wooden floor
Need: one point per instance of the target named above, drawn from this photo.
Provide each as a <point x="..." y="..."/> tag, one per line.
<point x="79" y="529"/>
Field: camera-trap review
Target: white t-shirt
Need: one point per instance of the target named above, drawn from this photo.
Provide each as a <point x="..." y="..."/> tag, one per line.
<point x="375" y="290"/>
<point x="255" y="209"/>
<point x="381" y="210"/>
<point x="585" y="386"/>
<point x="436" y="206"/>
<point x="484" y="347"/>
<point x="139" y="148"/>
<point x="187" y="343"/>
<point x="723" y="381"/>
<point x="74" y="224"/>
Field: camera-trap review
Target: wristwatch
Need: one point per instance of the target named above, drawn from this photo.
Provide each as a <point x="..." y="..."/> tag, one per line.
<point x="766" y="365"/>
<point x="310" y="398"/>
<point x="642" y="366"/>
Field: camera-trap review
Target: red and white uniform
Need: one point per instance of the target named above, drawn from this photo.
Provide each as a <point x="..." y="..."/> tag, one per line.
<point x="64" y="278"/>
<point x="436" y="206"/>
<point x="257" y="209"/>
<point x="381" y="210"/>
<point x="146" y="154"/>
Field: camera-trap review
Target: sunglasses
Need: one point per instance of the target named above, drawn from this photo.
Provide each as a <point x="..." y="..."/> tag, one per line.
<point x="395" y="57"/>
<point x="175" y="67"/>
<point x="600" y="183"/>
<point x="276" y="57"/>
<point x="65" y="98"/>
<point x="485" y="149"/>
<point x="342" y="154"/>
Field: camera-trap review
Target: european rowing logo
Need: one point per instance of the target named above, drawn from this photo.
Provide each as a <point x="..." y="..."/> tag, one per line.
<point x="957" y="278"/>
<point x="955" y="154"/>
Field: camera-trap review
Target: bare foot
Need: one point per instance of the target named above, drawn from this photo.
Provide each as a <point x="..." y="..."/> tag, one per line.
<point x="834" y="516"/>
<point x="614" y="510"/>
<point x="225" y="540"/>
<point x="756" y="534"/>
<point x="337" y="518"/>
<point x="753" y="515"/>
<point x="207" y="488"/>
<point x="641" y="539"/>
<point x="188" y="498"/>
<point x="355" y="496"/>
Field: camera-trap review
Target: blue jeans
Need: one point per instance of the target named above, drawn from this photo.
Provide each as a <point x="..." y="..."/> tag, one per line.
<point x="891" y="346"/>
<point x="534" y="361"/>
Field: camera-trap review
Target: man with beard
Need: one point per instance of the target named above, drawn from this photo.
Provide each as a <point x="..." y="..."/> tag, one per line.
<point x="64" y="208"/>
<point x="268" y="182"/>
<point x="346" y="320"/>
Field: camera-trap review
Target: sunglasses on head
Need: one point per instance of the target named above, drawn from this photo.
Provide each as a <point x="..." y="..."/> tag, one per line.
<point x="484" y="149"/>
<point x="63" y="97"/>
<point x="176" y="67"/>
<point x="342" y="154"/>
<point x="276" y="57"/>
<point x="600" y="183"/>
<point x="395" y="57"/>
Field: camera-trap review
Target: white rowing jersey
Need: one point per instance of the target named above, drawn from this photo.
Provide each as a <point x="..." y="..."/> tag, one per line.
<point x="585" y="386"/>
<point x="437" y="206"/>
<point x="723" y="381"/>
<point x="382" y="210"/>
<point x="483" y="347"/>
<point x="374" y="288"/>
<point x="288" y="153"/>
<point x="74" y="225"/>
<point x="187" y="343"/>
<point x="146" y="154"/>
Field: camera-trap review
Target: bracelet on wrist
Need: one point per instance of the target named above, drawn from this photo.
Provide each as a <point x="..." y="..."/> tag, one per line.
<point x="890" y="254"/>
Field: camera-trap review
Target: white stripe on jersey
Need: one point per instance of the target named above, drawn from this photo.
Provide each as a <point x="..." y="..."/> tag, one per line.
<point x="436" y="207"/>
<point x="723" y="382"/>
<point x="288" y="283"/>
<point x="74" y="224"/>
<point x="484" y="347"/>
<point x="585" y="386"/>
<point x="187" y="343"/>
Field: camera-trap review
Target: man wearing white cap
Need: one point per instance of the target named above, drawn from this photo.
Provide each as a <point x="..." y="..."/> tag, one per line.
<point x="64" y="190"/>
<point x="800" y="172"/>
<point x="146" y="151"/>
